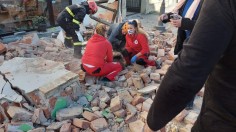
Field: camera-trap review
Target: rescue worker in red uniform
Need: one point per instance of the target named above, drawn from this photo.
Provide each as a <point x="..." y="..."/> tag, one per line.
<point x="69" y="20"/>
<point x="137" y="48"/>
<point x="98" y="57"/>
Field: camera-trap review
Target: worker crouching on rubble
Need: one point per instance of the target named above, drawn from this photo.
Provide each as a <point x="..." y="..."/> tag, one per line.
<point x="98" y="58"/>
<point x="69" y="20"/>
<point x="137" y="48"/>
<point x="116" y="35"/>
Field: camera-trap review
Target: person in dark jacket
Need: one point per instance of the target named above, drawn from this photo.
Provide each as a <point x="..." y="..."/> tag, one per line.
<point x="184" y="17"/>
<point x="208" y="58"/>
<point x="116" y="35"/>
<point x="69" y="20"/>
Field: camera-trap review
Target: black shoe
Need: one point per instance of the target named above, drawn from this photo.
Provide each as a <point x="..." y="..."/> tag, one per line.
<point x="68" y="43"/>
<point x="77" y="51"/>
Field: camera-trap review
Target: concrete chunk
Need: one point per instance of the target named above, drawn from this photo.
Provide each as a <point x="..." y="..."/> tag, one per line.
<point x="69" y="113"/>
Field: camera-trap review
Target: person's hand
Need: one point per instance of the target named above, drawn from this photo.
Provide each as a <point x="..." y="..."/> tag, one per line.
<point x="176" y="23"/>
<point x="133" y="59"/>
<point x="163" y="17"/>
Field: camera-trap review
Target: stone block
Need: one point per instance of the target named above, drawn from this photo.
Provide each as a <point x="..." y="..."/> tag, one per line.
<point x="69" y="113"/>
<point x="161" y="52"/>
<point x="99" y="125"/>
<point x="139" y="106"/>
<point x="40" y="129"/>
<point x="149" y="89"/>
<point x="57" y="125"/>
<point x="137" y="99"/>
<point x="147" y="104"/>
<point x="115" y="104"/>
<point x="95" y="102"/>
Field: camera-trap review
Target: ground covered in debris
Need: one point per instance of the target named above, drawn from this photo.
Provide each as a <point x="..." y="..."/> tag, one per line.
<point x="44" y="89"/>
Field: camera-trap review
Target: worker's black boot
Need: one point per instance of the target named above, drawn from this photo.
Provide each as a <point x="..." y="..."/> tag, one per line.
<point x="68" y="42"/>
<point x="77" y="51"/>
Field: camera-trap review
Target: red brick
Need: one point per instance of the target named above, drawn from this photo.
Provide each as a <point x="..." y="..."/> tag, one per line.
<point x="90" y="116"/>
<point x="66" y="127"/>
<point x="46" y="112"/>
<point x="137" y="99"/>
<point x="52" y="102"/>
<point x="34" y="97"/>
<point x="2" y="48"/>
<point x="81" y="123"/>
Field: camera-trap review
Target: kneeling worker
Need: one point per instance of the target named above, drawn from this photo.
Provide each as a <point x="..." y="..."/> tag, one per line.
<point x="98" y="57"/>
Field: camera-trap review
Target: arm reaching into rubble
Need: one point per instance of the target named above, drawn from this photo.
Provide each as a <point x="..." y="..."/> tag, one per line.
<point x="209" y="40"/>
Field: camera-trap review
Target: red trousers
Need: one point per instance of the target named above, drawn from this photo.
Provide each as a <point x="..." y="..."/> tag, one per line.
<point x="141" y="60"/>
<point x="109" y="70"/>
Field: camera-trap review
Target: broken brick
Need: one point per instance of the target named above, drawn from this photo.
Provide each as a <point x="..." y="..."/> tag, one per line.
<point x="95" y="102"/>
<point x="125" y="96"/>
<point x="131" y="109"/>
<point x="2" y="48"/>
<point x="115" y="104"/>
<point x="99" y="125"/>
<point x="145" y="78"/>
<point x="138" y="82"/>
<point x="130" y="118"/>
<point x="57" y="125"/>
<point x="66" y="127"/>
<point x="19" y="114"/>
<point x="38" y="116"/>
<point x="139" y="106"/>
<point x="147" y="104"/>
<point x="90" y="116"/>
<point x="81" y="123"/>
<point x="120" y="113"/>
<point x="137" y="99"/>
<point x="137" y="126"/>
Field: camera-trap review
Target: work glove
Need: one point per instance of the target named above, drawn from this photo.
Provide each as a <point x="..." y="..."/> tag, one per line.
<point x="133" y="59"/>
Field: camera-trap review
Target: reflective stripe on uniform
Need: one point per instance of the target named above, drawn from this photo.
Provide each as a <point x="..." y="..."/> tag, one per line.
<point x="77" y="43"/>
<point x="69" y="11"/>
<point x="68" y="37"/>
<point x="75" y="21"/>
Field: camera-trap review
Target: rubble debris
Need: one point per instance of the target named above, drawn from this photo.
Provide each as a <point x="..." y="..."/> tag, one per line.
<point x="19" y="114"/>
<point x="69" y="113"/>
<point x="81" y="123"/>
<point x="137" y="126"/>
<point x="99" y="125"/>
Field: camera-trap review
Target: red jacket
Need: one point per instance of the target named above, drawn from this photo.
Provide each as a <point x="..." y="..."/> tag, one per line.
<point x="137" y="43"/>
<point x="98" y="51"/>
